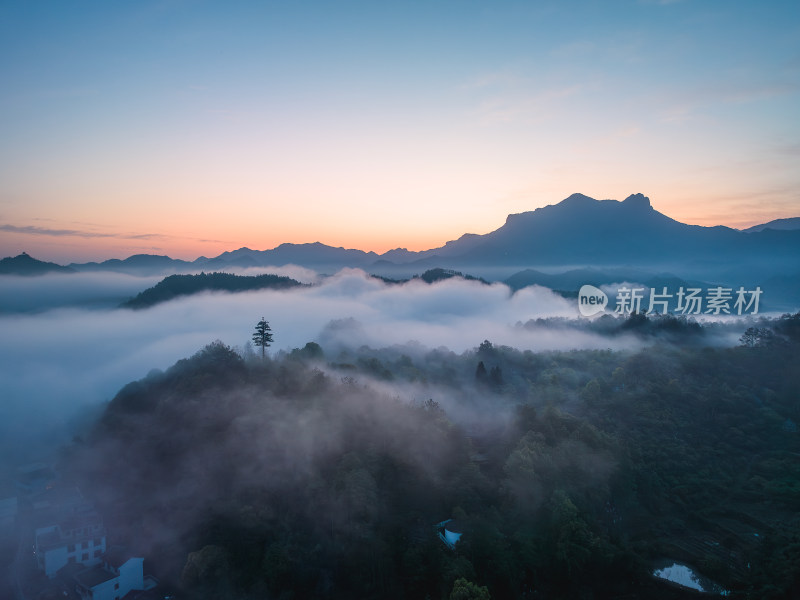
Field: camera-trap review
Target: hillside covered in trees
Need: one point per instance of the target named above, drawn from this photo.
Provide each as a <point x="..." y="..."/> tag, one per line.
<point x="186" y="285"/>
<point x="323" y="473"/>
<point x="175" y="286"/>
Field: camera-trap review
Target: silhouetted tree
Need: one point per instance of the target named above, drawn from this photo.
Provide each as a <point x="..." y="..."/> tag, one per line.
<point x="756" y="336"/>
<point x="262" y="336"/>
<point x="466" y="590"/>
<point x="311" y="351"/>
<point x="481" y="376"/>
<point x="496" y="376"/>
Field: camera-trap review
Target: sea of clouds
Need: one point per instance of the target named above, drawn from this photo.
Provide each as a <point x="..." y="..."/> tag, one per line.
<point x="66" y="348"/>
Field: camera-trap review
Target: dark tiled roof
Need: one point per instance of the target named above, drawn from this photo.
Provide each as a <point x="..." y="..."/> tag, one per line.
<point x="117" y="556"/>
<point x="70" y="570"/>
<point x="454" y="526"/>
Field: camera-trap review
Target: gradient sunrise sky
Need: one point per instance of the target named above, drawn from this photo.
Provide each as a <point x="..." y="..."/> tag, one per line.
<point x="190" y="128"/>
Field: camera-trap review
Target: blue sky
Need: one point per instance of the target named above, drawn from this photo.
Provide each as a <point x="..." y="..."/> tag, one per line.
<point x="190" y="128"/>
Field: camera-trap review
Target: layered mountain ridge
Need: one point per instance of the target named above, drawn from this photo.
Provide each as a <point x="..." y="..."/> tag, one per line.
<point x="579" y="231"/>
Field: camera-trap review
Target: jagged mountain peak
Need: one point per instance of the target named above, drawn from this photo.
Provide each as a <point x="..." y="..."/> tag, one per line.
<point x="577" y="199"/>
<point x="638" y="201"/>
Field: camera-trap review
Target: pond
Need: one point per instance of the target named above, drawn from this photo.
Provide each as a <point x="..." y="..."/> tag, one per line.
<point x="686" y="577"/>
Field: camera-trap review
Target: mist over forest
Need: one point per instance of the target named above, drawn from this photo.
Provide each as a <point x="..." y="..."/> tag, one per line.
<point x="400" y="301"/>
<point x="574" y="453"/>
<point x="71" y="331"/>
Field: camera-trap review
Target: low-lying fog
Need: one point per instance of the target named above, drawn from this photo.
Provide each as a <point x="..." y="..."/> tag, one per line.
<point x="58" y="359"/>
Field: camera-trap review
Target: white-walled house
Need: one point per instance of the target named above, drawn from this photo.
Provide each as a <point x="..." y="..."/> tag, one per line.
<point x="115" y="577"/>
<point x="79" y="537"/>
<point x="449" y="532"/>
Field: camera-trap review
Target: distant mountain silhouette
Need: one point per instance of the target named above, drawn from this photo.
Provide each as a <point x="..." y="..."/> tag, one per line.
<point x="578" y="232"/>
<point x="314" y="255"/>
<point x="24" y="264"/>
<point x="569" y="280"/>
<point x="583" y="231"/>
<point x="138" y="264"/>
<point x="790" y="224"/>
<point x="575" y="278"/>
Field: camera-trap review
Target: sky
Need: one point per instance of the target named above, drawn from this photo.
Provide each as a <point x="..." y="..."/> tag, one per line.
<point x="191" y="128"/>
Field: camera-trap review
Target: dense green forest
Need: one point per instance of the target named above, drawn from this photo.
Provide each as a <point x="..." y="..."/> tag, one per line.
<point x="570" y="474"/>
<point x="174" y="286"/>
<point x="434" y="275"/>
<point x="438" y="274"/>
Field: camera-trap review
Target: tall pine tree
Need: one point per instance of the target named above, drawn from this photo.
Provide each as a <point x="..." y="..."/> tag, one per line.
<point x="262" y="335"/>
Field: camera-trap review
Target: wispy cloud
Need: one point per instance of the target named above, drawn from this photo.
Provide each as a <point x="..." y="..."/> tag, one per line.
<point x="148" y="236"/>
<point x="51" y="232"/>
<point x="33" y="230"/>
<point x="684" y="104"/>
<point x="526" y="107"/>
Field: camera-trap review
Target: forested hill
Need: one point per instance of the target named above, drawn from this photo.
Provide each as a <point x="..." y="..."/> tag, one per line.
<point x="185" y="285"/>
<point x="433" y="276"/>
<point x="570" y="474"/>
<point x="24" y="264"/>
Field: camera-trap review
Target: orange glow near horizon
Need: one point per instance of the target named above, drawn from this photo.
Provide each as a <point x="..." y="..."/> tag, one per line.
<point x="187" y="243"/>
<point x="182" y="129"/>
